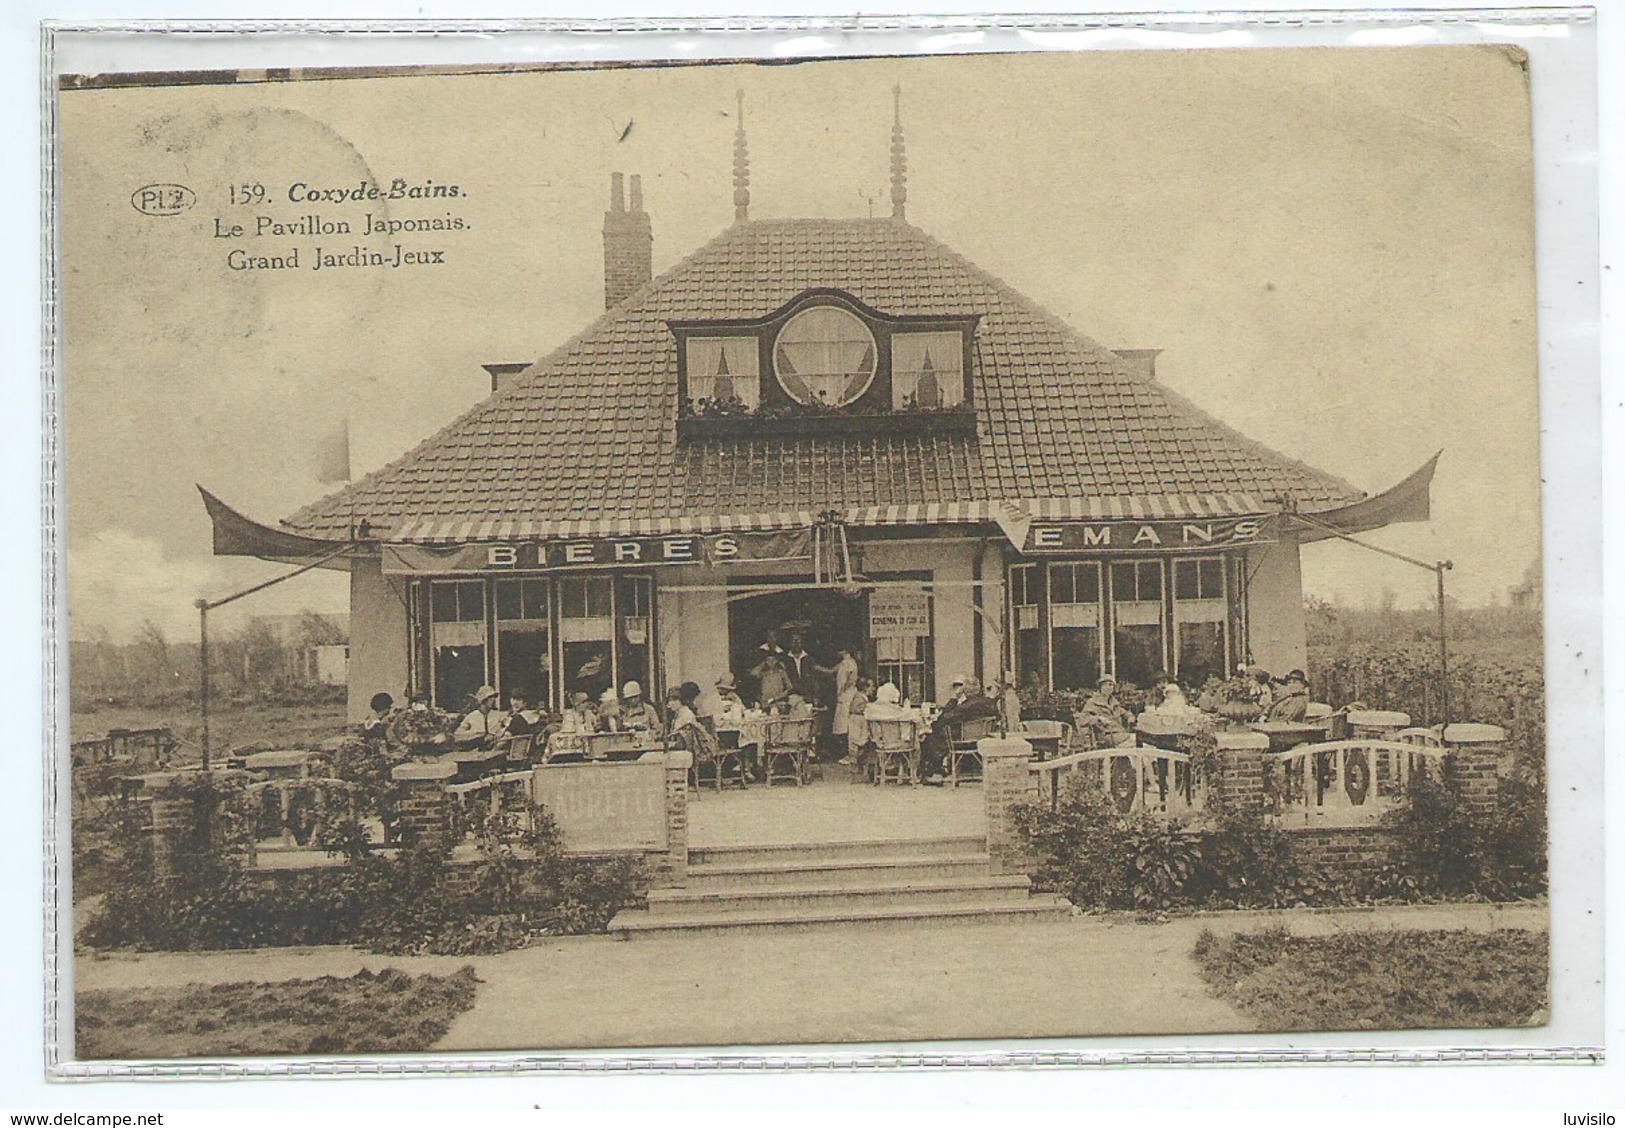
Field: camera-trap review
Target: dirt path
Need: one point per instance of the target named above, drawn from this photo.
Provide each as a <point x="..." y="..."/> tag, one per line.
<point x="1081" y="976"/>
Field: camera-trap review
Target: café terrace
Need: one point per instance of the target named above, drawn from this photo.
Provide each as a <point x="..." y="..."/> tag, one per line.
<point x="834" y="426"/>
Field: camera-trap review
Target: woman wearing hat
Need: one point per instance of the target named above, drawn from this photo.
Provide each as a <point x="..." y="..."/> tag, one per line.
<point x="1107" y="719"/>
<point x="730" y="707"/>
<point x="1292" y="700"/>
<point x="482" y="723"/>
<point x="637" y="714"/>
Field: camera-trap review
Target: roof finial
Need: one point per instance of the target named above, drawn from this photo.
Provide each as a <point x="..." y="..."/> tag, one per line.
<point x="741" y="165"/>
<point x="899" y="162"/>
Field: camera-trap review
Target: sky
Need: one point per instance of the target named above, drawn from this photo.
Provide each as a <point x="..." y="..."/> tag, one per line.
<point x="1332" y="247"/>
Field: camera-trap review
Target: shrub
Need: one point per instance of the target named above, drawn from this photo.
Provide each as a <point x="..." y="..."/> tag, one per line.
<point x="522" y="884"/>
<point x="1101" y="858"/>
<point x="1446" y="849"/>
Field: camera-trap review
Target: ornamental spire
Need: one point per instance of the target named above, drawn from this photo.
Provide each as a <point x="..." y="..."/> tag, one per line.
<point x="741" y="165"/>
<point x="899" y="161"/>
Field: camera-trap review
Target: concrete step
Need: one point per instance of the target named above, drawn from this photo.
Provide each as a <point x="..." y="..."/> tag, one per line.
<point x="642" y="923"/>
<point x="762" y="899"/>
<point x="837" y="851"/>
<point x="795" y="873"/>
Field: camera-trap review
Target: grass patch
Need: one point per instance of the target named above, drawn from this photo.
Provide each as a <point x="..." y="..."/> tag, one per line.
<point x="368" y="1013"/>
<point x="1399" y="980"/>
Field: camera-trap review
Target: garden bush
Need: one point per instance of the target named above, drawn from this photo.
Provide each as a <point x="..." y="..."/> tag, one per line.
<point x="521" y="885"/>
<point x="1101" y="858"/>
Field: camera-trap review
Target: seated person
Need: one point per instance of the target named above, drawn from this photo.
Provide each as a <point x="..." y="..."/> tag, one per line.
<point x="483" y="723"/>
<point x="580" y="716"/>
<point x="609" y="712"/>
<point x="887" y="705"/>
<point x="522" y="719"/>
<point x="376" y="726"/>
<point x="1109" y="721"/>
<point x="1291" y="704"/>
<point x="637" y="715"/>
<point x="1260" y="690"/>
<point x="968" y="703"/>
<point x="858" y="749"/>
<point x="680" y="712"/>
<point x="731" y="707"/>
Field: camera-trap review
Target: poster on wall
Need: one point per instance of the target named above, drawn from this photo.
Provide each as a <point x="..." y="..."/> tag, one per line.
<point x="899" y="613"/>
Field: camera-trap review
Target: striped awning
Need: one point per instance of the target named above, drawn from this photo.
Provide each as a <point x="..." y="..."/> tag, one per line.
<point x="1149" y="507"/>
<point x="451" y="530"/>
<point x="1008" y="515"/>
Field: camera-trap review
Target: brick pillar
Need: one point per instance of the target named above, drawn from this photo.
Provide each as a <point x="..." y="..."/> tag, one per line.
<point x="675" y="868"/>
<point x="1476" y="750"/>
<point x="173" y="816"/>
<point x="1241" y="769"/>
<point x="1006" y="782"/>
<point x="424" y="807"/>
<point x="171" y="813"/>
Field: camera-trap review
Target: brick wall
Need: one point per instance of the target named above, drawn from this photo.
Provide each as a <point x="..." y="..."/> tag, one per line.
<point x="1345" y="849"/>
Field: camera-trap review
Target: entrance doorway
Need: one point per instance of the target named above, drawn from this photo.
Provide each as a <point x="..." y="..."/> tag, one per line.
<point x="825" y="620"/>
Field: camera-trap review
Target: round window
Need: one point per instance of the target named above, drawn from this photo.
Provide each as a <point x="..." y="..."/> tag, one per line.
<point x="824" y="356"/>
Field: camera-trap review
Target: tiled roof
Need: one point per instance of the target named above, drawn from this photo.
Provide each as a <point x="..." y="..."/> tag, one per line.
<point x="589" y="433"/>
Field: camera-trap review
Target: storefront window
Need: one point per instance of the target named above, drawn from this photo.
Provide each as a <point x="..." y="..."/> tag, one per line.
<point x="901" y="661"/>
<point x="1027" y="617"/>
<point x="632" y="610"/>
<point x="456" y="641"/>
<point x="1074" y="615"/>
<point x="524" y="650"/>
<point x="1073" y="620"/>
<point x="587" y="634"/>
<point x="1137" y="608"/>
<point x="1200" y="616"/>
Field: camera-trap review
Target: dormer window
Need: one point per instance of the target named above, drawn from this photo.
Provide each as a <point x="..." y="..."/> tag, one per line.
<point x="927" y="371"/>
<point x="723" y="372"/>
<point x="823" y="363"/>
<point x="824" y="357"/>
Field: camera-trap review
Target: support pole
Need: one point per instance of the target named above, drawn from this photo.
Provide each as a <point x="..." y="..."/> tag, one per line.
<point x="203" y="673"/>
<point x="1439" y="569"/>
<point x="203" y="608"/>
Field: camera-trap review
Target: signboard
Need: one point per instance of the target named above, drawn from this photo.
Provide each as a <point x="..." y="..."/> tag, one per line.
<point x="598" y="552"/>
<point x="899" y="612"/>
<point x="601" y="808"/>
<point x="1146" y="536"/>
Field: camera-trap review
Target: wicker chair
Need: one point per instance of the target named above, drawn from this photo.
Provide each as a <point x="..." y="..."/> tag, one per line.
<point x="897" y="750"/>
<point x="786" y="747"/>
<point x="724" y="759"/>
<point x="965" y="750"/>
<point x="514" y="750"/>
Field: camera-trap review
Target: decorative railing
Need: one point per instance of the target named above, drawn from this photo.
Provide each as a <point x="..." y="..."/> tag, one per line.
<point x="489" y="799"/>
<point x="1345" y="782"/>
<point x="291" y="814"/>
<point x="1154" y="780"/>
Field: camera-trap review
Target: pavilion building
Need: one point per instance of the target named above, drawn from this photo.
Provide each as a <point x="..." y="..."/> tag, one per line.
<point x="836" y="426"/>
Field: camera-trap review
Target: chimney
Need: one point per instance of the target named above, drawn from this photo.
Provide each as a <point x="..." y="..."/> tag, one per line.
<point x="1142" y="362"/>
<point x="503" y="374"/>
<point x="628" y="242"/>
